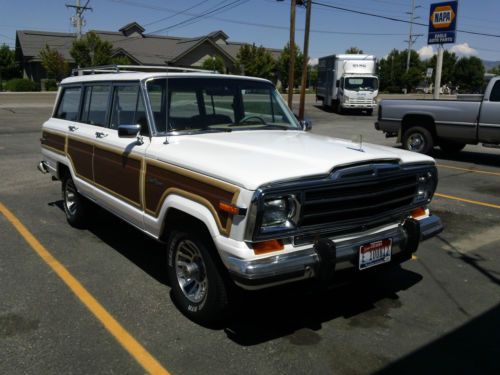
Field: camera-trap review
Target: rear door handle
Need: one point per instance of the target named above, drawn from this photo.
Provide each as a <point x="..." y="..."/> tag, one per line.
<point x="100" y="134"/>
<point x="72" y="128"/>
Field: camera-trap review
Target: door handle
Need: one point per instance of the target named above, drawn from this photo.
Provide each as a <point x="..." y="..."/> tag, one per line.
<point x="72" y="128"/>
<point x="100" y="134"/>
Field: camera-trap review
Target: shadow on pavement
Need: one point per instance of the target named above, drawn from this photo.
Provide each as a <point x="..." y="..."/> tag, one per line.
<point x="297" y="310"/>
<point x="145" y="252"/>
<point x="472" y="157"/>
<point x="473" y="348"/>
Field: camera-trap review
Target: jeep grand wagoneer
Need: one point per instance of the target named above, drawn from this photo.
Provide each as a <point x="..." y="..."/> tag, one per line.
<point x="219" y="169"/>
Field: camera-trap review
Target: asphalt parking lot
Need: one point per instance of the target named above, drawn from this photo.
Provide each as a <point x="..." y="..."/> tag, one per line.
<point x="438" y="313"/>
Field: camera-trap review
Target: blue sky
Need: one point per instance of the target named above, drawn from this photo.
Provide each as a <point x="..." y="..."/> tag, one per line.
<point x="240" y="22"/>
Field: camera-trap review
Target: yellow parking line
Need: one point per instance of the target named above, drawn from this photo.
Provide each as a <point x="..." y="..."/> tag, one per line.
<point x="467" y="200"/>
<point x="469" y="170"/>
<point x="129" y="343"/>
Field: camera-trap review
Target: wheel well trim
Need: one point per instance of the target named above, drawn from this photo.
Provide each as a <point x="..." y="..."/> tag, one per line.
<point x="191" y="207"/>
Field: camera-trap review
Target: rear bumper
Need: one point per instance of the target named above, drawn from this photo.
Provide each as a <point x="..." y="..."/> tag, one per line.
<point x="327" y="256"/>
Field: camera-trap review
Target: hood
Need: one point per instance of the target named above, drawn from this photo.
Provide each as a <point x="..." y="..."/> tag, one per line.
<point x="250" y="159"/>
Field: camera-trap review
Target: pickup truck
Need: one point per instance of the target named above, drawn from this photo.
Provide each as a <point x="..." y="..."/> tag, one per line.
<point x="450" y="124"/>
<point x="218" y="169"/>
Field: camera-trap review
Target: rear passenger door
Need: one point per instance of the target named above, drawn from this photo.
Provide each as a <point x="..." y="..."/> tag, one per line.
<point x="489" y="120"/>
<point x="118" y="162"/>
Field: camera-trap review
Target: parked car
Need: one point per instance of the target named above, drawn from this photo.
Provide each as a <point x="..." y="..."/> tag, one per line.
<point x="219" y="169"/>
<point x="449" y="124"/>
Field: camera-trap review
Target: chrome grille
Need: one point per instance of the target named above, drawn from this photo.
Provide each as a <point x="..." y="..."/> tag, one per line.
<point x="339" y="203"/>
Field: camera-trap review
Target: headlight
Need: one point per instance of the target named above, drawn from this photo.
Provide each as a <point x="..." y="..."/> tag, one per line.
<point x="279" y="212"/>
<point x="426" y="185"/>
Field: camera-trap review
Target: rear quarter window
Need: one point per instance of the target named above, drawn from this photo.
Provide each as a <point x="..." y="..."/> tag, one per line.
<point x="69" y="104"/>
<point x="495" y="92"/>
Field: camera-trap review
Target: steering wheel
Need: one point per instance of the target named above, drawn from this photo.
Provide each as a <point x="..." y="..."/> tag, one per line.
<point x="246" y="118"/>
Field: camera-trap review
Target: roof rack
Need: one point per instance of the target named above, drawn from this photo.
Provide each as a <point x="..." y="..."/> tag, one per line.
<point x="133" y="68"/>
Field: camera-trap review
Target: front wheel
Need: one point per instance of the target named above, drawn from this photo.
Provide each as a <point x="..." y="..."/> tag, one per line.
<point x="75" y="205"/>
<point x="369" y="112"/>
<point x="197" y="285"/>
<point x="418" y="139"/>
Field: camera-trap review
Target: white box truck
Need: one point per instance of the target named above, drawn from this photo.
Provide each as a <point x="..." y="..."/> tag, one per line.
<point x="348" y="82"/>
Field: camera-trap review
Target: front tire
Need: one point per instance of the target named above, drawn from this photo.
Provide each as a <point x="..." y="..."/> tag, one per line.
<point x="418" y="139"/>
<point x="198" y="286"/>
<point x="75" y="205"/>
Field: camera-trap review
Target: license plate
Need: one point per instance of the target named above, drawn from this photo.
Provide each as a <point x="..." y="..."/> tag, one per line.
<point x="375" y="253"/>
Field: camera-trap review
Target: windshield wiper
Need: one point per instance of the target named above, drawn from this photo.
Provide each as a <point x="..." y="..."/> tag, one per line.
<point x="266" y="126"/>
<point x="199" y="131"/>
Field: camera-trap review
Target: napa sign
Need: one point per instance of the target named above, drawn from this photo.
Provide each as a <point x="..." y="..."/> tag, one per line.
<point x="442" y="23"/>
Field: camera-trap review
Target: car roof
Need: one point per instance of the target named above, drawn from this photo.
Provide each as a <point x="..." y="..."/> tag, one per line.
<point x="140" y="76"/>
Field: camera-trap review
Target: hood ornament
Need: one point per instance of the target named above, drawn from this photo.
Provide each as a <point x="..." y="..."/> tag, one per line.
<point x="357" y="141"/>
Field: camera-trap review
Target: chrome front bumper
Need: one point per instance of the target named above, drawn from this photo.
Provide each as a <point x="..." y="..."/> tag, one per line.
<point x="313" y="261"/>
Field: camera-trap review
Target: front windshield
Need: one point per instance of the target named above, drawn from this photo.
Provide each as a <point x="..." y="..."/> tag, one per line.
<point x="361" y="83"/>
<point x="196" y="105"/>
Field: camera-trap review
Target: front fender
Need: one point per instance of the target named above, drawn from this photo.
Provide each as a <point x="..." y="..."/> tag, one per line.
<point x="188" y="206"/>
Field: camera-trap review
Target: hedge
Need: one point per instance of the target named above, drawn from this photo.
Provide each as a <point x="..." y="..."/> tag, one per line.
<point x="21" y="84"/>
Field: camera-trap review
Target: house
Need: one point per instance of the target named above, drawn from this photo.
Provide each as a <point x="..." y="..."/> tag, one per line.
<point x="131" y="41"/>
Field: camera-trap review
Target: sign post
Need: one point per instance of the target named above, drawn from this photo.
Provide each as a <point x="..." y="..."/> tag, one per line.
<point x="442" y="30"/>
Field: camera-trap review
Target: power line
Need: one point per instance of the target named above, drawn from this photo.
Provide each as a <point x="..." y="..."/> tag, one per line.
<point x="232" y="5"/>
<point x="176" y="14"/>
<point x="396" y="19"/>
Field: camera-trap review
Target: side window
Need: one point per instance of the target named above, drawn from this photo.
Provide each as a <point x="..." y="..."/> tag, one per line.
<point x="128" y="108"/>
<point x="156" y="92"/>
<point x="495" y="92"/>
<point x="140" y="115"/>
<point x="124" y="106"/>
<point x="69" y="104"/>
<point x="95" y="105"/>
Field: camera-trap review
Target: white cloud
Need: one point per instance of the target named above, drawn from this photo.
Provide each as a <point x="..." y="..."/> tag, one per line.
<point x="426" y="52"/>
<point x="313" y="61"/>
<point x="463" y="49"/>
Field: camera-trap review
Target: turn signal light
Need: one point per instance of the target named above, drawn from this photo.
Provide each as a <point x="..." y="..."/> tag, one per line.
<point x="267" y="246"/>
<point x="229" y="208"/>
<point x="418" y="212"/>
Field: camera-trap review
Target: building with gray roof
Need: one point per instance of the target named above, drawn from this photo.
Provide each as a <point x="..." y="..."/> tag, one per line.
<point x="132" y="42"/>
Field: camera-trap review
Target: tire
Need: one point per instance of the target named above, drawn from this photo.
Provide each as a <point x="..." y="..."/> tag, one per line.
<point x="369" y="112"/>
<point x="198" y="287"/>
<point x="418" y="139"/>
<point x="451" y="147"/>
<point x="75" y="205"/>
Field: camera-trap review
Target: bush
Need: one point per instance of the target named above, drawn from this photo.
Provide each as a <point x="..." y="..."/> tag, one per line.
<point x="49" y="84"/>
<point x="21" y="84"/>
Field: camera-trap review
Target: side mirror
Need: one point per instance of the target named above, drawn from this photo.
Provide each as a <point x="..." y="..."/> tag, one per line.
<point x="129" y="131"/>
<point x="306" y="124"/>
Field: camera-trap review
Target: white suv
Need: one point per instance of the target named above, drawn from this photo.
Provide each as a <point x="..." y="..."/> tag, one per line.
<point x="219" y="169"/>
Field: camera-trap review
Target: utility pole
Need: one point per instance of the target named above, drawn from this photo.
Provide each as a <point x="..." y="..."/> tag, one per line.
<point x="411" y="37"/>
<point x="439" y="69"/>
<point x="291" y="63"/>
<point x="306" y="60"/>
<point x="78" y="18"/>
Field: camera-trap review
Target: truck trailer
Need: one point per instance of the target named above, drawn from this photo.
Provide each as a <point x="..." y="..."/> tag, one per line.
<point x="348" y="82"/>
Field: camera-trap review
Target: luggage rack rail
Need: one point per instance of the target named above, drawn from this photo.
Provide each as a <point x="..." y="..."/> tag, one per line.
<point x="134" y="68"/>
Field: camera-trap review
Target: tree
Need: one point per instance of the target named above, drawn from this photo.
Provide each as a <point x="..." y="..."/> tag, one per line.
<point x="354" y="51"/>
<point x="284" y="62"/>
<point x="91" y="50"/>
<point x="469" y="74"/>
<point x="495" y="70"/>
<point x="54" y="64"/>
<point x="393" y="75"/>
<point x="121" y="60"/>
<point x="256" y="61"/>
<point x="215" y="63"/>
<point x="8" y="66"/>
<point x="448" y="71"/>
